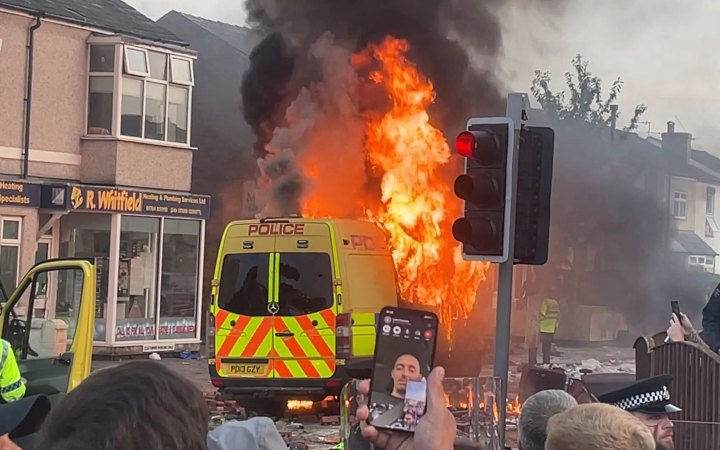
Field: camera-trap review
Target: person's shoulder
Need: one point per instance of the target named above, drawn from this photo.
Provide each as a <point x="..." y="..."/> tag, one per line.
<point x="258" y="433"/>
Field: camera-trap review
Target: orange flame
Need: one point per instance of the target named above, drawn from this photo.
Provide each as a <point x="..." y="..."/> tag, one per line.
<point x="417" y="206"/>
<point x="299" y="405"/>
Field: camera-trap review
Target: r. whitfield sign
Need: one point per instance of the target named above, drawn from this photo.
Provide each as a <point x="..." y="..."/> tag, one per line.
<point x="92" y="198"/>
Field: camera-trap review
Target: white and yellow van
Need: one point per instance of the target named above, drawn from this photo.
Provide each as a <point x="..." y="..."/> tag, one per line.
<point x="295" y="304"/>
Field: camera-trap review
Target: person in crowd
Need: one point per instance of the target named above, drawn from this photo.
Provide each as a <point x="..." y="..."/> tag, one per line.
<point x="681" y="329"/>
<point x="536" y="411"/>
<point x="12" y="386"/>
<point x="435" y="431"/>
<point x="595" y="426"/>
<point x="549" y="319"/>
<point x="711" y="321"/>
<point x="139" y="405"/>
<point x="20" y="421"/>
<point x="649" y="401"/>
<point x="258" y="433"/>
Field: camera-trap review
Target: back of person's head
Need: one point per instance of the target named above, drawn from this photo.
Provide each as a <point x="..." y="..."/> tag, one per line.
<point x="140" y="405"/>
<point x="536" y="410"/>
<point x="597" y="426"/>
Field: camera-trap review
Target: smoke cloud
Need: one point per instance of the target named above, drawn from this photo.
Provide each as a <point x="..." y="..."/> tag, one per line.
<point x="278" y="93"/>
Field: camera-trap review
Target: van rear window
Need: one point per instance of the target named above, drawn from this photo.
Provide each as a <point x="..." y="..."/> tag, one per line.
<point x="244" y="284"/>
<point x="304" y="285"/>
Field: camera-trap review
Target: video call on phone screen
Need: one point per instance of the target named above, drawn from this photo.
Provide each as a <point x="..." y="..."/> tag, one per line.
<point x="402" y="363"/>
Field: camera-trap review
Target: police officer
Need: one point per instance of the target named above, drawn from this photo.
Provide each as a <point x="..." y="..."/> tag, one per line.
<point x="548" y="323"/>
<point x="12" y="386"/>
<point x="649" y="401"/>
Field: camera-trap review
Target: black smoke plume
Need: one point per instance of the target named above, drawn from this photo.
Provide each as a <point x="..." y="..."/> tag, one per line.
<point x="443" y="34"/>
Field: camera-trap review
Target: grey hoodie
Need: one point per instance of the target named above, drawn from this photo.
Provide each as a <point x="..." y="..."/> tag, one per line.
<point x="258" y="433"/>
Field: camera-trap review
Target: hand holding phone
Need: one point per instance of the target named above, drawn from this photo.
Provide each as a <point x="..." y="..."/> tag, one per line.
<point x="675" y="306"/>
<point x="404" y="354"/>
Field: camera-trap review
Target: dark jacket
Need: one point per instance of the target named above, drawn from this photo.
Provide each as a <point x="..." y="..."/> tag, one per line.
<point x="711" y="320"/>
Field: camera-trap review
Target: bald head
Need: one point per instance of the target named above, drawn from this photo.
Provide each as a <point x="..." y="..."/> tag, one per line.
<point x="406" y="368"/>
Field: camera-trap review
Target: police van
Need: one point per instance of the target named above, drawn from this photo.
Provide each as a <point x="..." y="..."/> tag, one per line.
<point x="294" y="305"/>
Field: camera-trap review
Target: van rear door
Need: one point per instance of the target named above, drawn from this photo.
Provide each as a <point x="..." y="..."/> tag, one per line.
<point x="243" y="320"/>
<point x="304" y="327"/>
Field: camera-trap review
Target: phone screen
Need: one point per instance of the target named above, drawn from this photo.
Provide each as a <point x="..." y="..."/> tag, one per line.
<point x="404" y="353"/>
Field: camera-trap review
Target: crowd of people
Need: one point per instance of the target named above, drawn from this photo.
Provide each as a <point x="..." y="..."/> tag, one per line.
<point x="144" y="405"/>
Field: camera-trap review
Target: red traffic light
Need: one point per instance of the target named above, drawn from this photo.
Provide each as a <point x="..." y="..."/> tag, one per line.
<point x="484" y="145"/>
<point x="465" y="144"/>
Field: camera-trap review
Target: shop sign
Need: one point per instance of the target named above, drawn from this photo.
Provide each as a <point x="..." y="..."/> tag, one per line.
<point x="109" y="199"/>
<point x="144" y="329"/>
<point x="19" y="193"/>
<point x="148" y="348"/>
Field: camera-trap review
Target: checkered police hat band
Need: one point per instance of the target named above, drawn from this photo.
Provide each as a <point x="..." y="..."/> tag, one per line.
<point x="647" y="398"/>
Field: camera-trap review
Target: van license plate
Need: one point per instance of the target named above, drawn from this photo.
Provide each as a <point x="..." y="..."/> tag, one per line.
<point x="244" y="370"/>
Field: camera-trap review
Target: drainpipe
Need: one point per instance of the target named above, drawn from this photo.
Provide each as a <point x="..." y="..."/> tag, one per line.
<point x="28" y="94"/>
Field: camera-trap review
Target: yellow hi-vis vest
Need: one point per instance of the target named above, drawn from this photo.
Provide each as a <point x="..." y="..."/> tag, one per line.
<point x="549" y="315"/>
<point x="11" y="384"/>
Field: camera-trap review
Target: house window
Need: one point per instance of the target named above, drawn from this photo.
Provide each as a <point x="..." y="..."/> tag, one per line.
<point x="710" y="201"/>
<point x="701" y="262"/>
<point x="155" y="93"/>
<point x="680" y="205"/>
<point x="10" y="233"/>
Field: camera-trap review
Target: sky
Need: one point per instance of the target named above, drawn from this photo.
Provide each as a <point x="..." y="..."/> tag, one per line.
<point x="665" y="51"/>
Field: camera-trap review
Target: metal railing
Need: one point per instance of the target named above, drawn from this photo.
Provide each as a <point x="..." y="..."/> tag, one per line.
<point x="695" y="387"/>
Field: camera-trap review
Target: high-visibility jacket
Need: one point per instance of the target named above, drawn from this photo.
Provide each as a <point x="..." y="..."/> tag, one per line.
<point x="12" y="386"/>
<point x="549" y="315"/>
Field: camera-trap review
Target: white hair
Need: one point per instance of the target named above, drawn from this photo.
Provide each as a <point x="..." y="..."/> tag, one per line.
<point x="536" y="411"/>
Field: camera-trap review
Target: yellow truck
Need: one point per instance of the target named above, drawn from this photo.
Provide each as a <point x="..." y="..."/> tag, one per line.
<point x="294" y="305"/>
<point x="54" y="356"/>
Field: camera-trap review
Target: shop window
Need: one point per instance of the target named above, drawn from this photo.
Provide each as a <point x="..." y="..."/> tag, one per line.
<point x="137" y="279"/>
<point x="10" y="233"/>
<point x="155" y="97"/>
<point x="243" y="284"/>
<point x="84" y="235"/>
<point x="305" y="283"/>
<point x="179" y="280"/>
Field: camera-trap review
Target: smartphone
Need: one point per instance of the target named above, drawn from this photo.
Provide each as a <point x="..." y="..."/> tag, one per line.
<point x="404" y="355"/>
<point x="675" y="305"/>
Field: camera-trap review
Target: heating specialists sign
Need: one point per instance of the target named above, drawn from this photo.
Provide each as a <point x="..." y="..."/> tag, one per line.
<point x="18" y="193"/>
<point x="109" y="199"/>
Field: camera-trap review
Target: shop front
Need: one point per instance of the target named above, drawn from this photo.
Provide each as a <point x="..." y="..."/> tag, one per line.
<point x="148" y="251"/>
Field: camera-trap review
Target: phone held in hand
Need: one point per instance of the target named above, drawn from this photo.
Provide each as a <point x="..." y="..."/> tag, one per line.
<point x="404" y="356"/>
<point x="675" y="306"/>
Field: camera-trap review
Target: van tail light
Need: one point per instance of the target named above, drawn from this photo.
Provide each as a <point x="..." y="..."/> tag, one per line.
<point x="343" y="336"/>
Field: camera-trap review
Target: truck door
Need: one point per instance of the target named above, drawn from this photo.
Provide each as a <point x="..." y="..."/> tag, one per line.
<point x="53" y="355"/>
<point x="304" y="326"/>
<point x="243" y="321"/>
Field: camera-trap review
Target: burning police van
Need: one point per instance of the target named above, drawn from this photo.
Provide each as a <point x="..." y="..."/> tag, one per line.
<point x="294" y="304"/>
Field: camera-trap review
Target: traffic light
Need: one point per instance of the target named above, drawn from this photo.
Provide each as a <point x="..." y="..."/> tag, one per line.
<point x="534" y="182"/>
<point x="488" y="145"/>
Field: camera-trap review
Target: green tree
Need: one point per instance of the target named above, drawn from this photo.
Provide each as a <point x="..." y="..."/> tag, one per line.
<point x="584" y="100"/>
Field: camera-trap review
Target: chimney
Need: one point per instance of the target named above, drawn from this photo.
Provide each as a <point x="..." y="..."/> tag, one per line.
<point x="613" y="121"/>
<point x="677" y="144"/>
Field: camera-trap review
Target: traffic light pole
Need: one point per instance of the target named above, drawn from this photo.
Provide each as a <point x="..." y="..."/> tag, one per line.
<point x="517" y="107"/>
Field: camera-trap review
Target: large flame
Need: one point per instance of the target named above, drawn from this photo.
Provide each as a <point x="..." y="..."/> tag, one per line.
<point x="417" y="206"/>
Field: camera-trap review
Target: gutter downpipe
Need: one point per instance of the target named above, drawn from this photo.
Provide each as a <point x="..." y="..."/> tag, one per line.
<point x="28" y="94"/>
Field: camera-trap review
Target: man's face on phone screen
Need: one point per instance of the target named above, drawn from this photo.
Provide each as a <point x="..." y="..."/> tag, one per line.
<point x="406" y="368"/>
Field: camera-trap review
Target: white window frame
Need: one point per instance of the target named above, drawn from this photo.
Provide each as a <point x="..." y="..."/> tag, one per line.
<point x="711" y="211"/>
<point x="680" y="198"/>
<point x="126" y="60"/>
<point x="121" y="71"/>
<point x="171" y="73"/>
<point x="705" y="262"/>
<point x="12" y="242"/>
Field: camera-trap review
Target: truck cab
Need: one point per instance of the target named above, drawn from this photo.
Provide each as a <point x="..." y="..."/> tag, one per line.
<point x="54" y="355"/>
